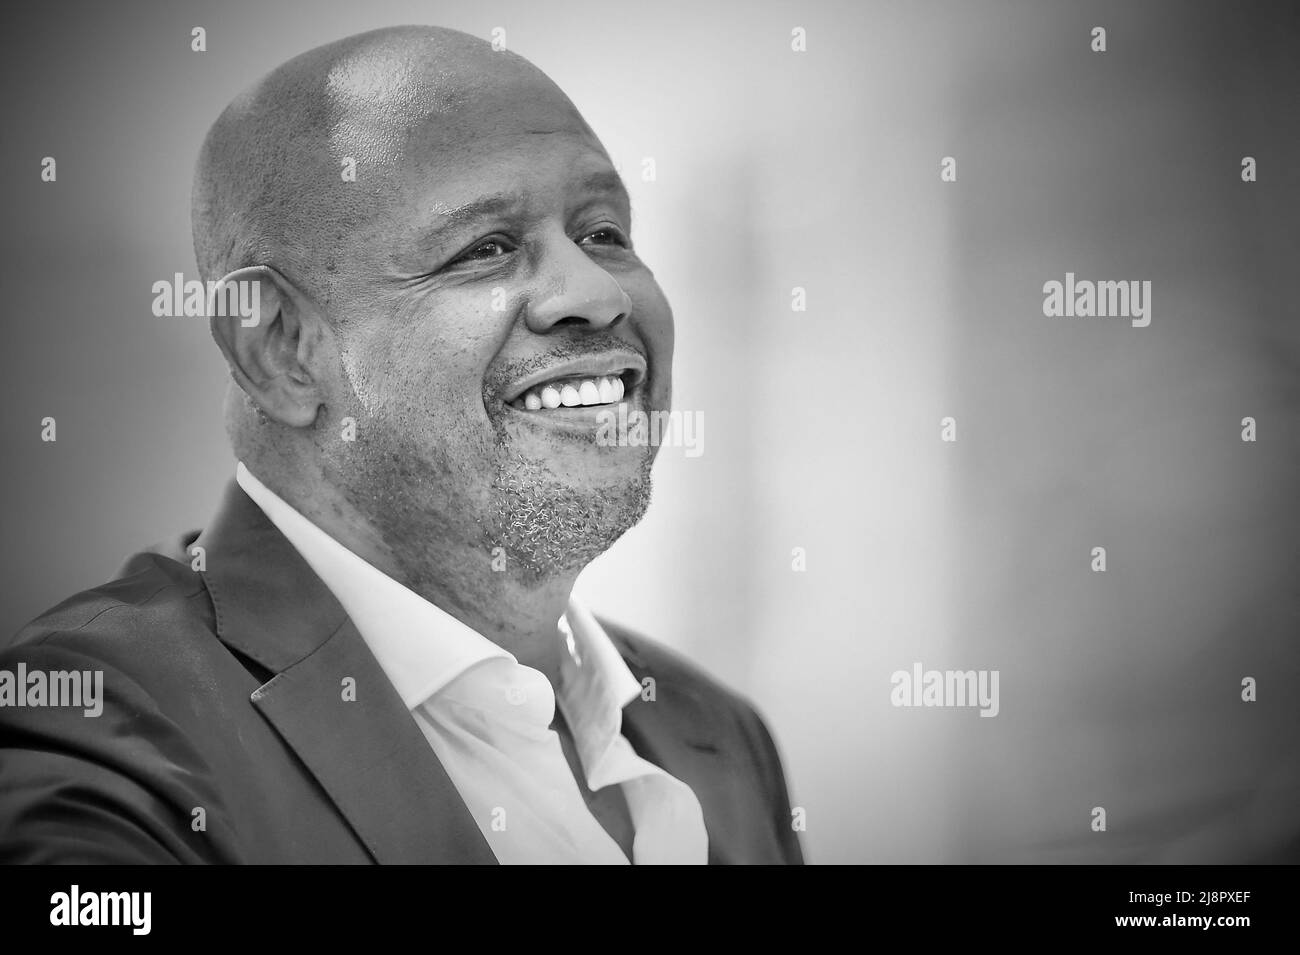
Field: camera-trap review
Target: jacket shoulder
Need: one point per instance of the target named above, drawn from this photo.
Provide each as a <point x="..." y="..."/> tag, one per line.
<point x="153" y="595"/>
<point x="135" y="660"/>
<point x="152" y="630"/>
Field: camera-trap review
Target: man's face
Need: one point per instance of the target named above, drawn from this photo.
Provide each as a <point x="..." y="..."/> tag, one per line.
<point x="498" y="271"/>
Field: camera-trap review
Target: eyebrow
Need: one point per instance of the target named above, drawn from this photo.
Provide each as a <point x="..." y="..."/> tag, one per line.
<point x="605" y="181"/>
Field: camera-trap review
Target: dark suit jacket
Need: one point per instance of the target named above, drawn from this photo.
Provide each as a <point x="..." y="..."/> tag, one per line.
<point x="223" y="693"/>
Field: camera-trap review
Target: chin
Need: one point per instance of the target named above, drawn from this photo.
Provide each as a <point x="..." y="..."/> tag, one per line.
<point x="552" y="526"/>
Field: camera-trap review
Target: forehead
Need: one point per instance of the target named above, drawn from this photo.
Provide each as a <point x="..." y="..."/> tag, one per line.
<point x="535" y="170"/>
<point x="524" y="142"/>
<point x="403" y="110"/>
<point x="434" y="143"/>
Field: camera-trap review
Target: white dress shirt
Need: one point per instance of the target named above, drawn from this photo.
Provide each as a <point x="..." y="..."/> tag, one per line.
<point x="487" y="717"/>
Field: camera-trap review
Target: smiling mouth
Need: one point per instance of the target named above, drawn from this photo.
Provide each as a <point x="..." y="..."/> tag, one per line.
<point x="578" y="391"/>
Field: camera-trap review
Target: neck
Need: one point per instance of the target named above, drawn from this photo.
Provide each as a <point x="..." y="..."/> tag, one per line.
<point x="458" y="577"/>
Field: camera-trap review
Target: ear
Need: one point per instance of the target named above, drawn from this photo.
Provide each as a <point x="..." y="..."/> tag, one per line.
<point x="273" y="343"/>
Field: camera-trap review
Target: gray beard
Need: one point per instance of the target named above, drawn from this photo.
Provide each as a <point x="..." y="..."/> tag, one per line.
<point x="548" y="527"/>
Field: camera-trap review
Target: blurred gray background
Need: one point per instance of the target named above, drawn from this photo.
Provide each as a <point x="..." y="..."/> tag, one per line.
<point x="819" y="169"/>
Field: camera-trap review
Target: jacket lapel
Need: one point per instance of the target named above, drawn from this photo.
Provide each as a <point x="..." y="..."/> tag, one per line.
<point x="679" y="733"/>
<point x="670" y="736"/>
<point x="329" y="699"/>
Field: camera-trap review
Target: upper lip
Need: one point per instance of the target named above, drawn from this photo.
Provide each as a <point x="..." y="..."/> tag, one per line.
<point x="588" y="366"/>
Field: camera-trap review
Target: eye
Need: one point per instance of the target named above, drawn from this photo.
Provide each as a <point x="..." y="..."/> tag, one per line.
<point x="606" y="235"/>
<point x="492" y="248"/>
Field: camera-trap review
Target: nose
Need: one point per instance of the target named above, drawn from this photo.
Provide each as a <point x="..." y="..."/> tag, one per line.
<point x="572" y="290"/>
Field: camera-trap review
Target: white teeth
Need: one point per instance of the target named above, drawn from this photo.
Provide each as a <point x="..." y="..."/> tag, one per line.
<point x="574" y="393"/>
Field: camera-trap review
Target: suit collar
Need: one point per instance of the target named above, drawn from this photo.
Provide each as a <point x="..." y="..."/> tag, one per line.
<point x="420" y="646"/>
<point x="329" y="699"/>
<point x="341" y="715"/>
<point x="269" y="604"/>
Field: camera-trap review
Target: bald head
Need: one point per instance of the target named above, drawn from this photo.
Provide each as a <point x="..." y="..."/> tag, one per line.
<point x="311" y="153"/>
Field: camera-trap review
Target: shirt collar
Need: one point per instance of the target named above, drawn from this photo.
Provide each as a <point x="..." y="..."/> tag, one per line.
<point x="422" y="648"/>
<point x="595" y="685"/>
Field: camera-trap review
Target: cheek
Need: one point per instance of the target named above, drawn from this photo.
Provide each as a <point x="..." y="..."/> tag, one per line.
<point x="650" y="303"/>
<point x="424" y="357"/>
<point x="364" y="378"/>
<point x="655" y="323"/>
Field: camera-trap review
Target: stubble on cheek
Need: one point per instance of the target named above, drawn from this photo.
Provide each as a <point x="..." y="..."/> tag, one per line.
<point x="418" y="469"/>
